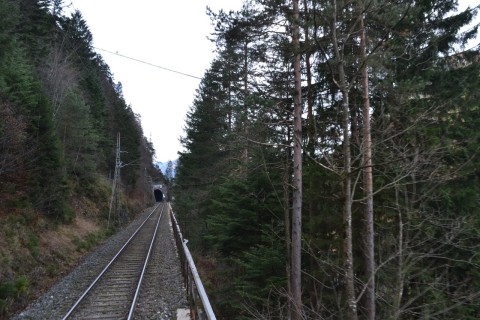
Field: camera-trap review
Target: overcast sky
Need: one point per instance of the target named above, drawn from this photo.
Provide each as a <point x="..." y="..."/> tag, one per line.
<point x="170" y="34"/>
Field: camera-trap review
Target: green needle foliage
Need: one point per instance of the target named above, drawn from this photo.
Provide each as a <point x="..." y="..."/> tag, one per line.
<point x="60" y="113"/>
<point x="234" y="188"/>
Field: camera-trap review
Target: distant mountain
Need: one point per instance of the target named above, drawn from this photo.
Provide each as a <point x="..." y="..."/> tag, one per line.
<point x="163" y="166"/>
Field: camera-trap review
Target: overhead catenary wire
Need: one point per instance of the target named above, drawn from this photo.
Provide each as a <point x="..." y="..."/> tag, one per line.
<point x="138" y="60"/>
<point x="148" y="63"/>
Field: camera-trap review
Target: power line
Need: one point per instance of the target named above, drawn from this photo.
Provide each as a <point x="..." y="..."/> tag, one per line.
<point x="138" y="60"/>
<point x="148" y="63"/>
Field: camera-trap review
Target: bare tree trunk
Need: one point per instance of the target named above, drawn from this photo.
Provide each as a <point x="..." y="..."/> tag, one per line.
<point x="310" y="148"/>
<point x="399" y="285"/>
<point x="286" y="209"/>
<point x="245" y="103"/>
<point x="347" y="214"/>
<point x="369" y="241"/>
<point x="347" y="183"/>
<point x="297" y="172"/>
<point x="308" y="67"/>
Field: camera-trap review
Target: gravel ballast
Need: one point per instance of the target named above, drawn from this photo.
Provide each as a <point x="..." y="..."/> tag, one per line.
<point x="55" y="303"/>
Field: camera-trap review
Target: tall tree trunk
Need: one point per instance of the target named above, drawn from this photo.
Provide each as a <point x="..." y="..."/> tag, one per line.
<point x="297" y="172"/>
<point x="399" y="276"/>
<point x="369" y="252"/>
<point x="308" y="67"/>
<point x="245" y="103"/>
<point x="310" y="148"/>
<point x="286" y="210"/>
<point x="347" y="213"/>
<point x="347" y="183"/>
<point x="310" y="119"/>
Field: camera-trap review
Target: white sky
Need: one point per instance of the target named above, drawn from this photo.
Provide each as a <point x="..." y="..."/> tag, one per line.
<point x="171" y="34"/>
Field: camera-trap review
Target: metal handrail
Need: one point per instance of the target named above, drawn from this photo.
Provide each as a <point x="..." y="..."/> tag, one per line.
<point x="202" y="309"/>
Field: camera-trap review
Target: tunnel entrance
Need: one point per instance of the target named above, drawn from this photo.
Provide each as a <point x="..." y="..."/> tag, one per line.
<point x="158" y="195"/>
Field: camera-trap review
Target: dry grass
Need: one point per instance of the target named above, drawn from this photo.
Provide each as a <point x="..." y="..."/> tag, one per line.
<point x="42" y="252"/>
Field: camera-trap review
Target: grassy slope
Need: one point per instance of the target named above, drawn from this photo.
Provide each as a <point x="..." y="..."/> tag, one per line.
<point x="35" y="251"/>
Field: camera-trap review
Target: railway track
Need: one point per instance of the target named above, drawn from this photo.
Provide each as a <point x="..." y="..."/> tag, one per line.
<point x="115" y="292"/>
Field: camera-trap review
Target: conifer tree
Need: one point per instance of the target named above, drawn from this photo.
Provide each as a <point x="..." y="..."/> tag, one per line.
<point x="365" y="68"/>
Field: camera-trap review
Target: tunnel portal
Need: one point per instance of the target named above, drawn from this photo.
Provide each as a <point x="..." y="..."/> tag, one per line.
<point x="158" y="195"/>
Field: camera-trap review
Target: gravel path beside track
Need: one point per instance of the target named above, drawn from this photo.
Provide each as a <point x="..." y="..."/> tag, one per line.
<point x="58" y="299"/>
<point x="159" y="297"/>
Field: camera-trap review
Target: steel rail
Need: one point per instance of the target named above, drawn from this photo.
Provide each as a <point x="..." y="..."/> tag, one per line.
<point x="85" y="293"/>
<point x="137" y="291"/>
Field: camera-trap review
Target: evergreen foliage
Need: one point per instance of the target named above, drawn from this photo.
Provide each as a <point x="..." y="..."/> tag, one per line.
<point x="60" y="111"/>
<point x="424" y="125"/>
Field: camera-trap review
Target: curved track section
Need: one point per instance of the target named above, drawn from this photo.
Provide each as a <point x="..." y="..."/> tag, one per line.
<point x="113" y="293"/>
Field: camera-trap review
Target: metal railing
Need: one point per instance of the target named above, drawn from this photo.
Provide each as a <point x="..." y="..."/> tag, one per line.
<point x="199" y="304"/>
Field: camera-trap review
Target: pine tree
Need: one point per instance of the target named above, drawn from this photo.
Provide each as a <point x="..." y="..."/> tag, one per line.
<point x="406" y="125"/>
<point x="206" y="145"/>
<point x="365" y="67"/>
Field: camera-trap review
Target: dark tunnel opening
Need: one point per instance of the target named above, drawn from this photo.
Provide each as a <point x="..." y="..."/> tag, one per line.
<point x="158" y="195"/>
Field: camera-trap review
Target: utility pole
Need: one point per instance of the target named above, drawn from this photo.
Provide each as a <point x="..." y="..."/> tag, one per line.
<point x="116" y="177"/>
<point x="145" y="187"/>
<point x="148" y="188"/>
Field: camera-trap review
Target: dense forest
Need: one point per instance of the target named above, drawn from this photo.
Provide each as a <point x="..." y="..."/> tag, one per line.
<point x="61" y="112"/>
<point x="331" y="161"/>
<point x="330" y="166"/>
